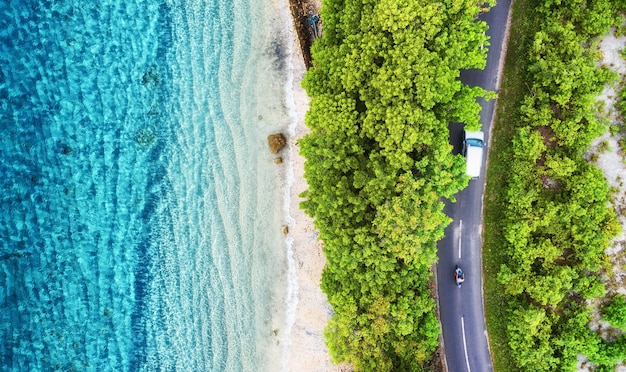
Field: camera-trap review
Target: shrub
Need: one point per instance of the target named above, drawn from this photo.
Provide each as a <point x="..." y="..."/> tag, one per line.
<point x="615" y="312"/>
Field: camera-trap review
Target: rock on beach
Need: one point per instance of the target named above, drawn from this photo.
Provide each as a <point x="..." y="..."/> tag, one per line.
<point x="276" y="142"/>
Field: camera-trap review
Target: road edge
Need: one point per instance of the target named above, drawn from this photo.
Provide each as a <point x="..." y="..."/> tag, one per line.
<point x="502" y="62"/>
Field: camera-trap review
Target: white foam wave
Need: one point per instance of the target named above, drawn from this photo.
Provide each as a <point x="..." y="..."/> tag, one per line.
<point x="292" y="282"/>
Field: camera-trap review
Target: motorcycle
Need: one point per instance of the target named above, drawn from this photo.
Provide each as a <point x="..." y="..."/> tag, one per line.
<point x="459" y="276"/>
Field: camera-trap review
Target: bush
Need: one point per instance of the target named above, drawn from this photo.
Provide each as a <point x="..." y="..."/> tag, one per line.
<point x="615" y="312"/>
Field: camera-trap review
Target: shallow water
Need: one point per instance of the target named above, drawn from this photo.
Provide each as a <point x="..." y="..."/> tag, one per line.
<point x="140" y="210"/>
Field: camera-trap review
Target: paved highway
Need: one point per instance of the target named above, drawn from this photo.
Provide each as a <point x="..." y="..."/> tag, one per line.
<point x="461" y="309"/>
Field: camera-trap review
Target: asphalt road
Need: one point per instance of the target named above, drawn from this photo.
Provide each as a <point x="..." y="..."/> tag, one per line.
<point x="461" y="309"/>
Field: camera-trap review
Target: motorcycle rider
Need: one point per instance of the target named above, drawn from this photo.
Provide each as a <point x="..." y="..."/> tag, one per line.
<point x="459" y="275"/>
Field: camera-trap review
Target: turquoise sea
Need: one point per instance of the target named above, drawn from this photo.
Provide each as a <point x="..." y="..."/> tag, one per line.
<point x="140" y="208"/>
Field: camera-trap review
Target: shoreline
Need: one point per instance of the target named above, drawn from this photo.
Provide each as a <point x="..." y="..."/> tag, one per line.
<point x="307" y="349"/>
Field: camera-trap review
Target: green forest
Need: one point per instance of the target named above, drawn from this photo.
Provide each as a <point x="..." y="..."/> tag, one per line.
<point x="550" y="218"/>
<point x="384" y="86"/>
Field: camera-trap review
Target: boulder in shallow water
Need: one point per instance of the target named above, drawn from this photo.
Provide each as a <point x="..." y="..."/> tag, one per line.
<point x="276" y="142"/>
<point x="285" y="230"/>
<point x="278" y="160"/>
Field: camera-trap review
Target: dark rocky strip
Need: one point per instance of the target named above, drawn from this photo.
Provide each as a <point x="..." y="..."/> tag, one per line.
<point x="303" y="13"/>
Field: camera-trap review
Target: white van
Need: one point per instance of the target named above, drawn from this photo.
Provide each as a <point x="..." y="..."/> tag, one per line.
<point x="473" y="144"/>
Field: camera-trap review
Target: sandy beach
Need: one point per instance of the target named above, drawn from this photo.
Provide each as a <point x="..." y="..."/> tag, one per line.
<point x="308" y="348"/>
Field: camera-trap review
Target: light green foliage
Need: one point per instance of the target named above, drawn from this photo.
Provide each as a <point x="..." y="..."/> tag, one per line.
<point x="609" y="353"/>
<point x="560" y="166"/>
<point x="464" y="110"/>
<point x="378" y="164"/>
<point x="615" y="312"/>
<point x="529" y="333"/>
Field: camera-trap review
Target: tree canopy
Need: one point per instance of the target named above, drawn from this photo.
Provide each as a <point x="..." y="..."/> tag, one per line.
<point x="383" y="87"/>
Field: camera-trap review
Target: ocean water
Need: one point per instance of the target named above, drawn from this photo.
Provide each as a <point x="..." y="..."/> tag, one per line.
<point x="140" y="208"/>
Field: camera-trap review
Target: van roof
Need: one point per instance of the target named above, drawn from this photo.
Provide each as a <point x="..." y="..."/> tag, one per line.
<point x="474" y="152"/>
<point x="474" y="161"/>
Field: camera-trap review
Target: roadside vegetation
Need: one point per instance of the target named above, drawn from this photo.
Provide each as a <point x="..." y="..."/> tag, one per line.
<point x="383" y="87"/>
<point x="548" y="217"/>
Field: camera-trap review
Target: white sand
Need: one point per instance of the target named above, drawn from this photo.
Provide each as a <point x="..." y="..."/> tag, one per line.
<point x="611" y="160"/>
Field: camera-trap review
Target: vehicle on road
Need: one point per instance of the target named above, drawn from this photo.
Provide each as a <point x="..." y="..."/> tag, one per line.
<point x="459" y="276"/>
<point x="473" y="145"/>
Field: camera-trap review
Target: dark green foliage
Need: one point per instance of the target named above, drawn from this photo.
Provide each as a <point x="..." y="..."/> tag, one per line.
<point x="378" y="163"/>
<point x="558" y="220"/>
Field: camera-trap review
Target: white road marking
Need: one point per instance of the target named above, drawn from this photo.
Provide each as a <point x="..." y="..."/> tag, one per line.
<point x="460" y="236"/>
<point x="465" y="345"/>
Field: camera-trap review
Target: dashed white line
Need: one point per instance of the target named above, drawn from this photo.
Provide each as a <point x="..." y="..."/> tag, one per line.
<point x="460" y="236"/>
<point x="465" y="345"/>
